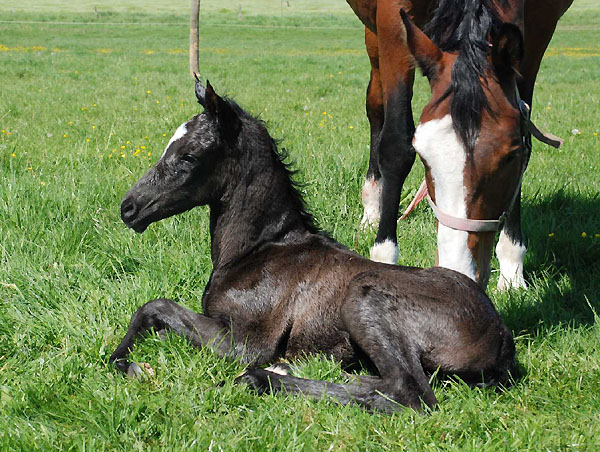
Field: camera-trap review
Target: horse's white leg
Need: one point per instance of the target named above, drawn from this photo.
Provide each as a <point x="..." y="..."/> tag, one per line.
<point x="510" y="256"/>
<point x="371" y="198"/>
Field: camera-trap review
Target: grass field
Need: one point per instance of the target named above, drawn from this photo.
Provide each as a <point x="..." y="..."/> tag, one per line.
<point x="87" y="107"/>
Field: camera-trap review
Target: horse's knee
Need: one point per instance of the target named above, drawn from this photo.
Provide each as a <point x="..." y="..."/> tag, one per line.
<point x="395" y="154"/>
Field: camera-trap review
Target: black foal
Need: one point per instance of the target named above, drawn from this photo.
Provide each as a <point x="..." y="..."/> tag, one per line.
<point x="280" y="289"/>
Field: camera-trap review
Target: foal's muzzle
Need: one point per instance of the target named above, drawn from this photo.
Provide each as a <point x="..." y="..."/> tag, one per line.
<point x="130" y="215"/>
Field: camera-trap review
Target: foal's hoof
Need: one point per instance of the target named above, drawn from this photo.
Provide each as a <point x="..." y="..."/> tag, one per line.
<point x="135" y="372"/>
<point x="258" y="379"/>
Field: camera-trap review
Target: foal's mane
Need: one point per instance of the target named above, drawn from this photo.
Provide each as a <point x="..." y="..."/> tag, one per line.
<point x="465" y="27"/>
<point x="254" y="137"/>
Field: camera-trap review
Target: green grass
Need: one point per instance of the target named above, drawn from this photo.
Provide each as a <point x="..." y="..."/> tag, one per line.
<point x="71" y="274"/>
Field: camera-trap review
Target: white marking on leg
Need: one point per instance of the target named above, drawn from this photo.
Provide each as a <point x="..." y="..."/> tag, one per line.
<point x="371" y="199"/>
<point x="436" y="142"/>
<point x="510" y="256"/>
<point x="179" y="133"/>
<point x="279" y="369"/>
<point x="386" y="252"/>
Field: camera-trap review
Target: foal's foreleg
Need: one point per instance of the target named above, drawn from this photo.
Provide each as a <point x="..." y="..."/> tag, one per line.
<point x="164" y="315"/>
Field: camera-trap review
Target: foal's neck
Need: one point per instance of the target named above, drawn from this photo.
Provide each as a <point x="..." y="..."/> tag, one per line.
<point x="261" y="209"/>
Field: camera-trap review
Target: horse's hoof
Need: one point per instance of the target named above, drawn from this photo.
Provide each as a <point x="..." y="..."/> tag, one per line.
<point x="140" y="371"/>
<point x="134" y="371"/>
<point x="257" y="379"/>
<point x="280" y="368"/>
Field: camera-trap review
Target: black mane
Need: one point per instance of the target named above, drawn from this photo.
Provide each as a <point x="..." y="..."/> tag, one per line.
<point x="465" y="27"/>
<point x="255" y="136"/>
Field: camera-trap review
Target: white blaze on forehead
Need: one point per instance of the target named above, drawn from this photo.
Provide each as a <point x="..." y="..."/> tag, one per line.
<point x="179" y="133"/>
<point x="436" y="142"/>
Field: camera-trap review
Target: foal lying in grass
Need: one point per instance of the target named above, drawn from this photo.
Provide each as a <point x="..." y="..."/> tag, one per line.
<point x="280" y="288"/>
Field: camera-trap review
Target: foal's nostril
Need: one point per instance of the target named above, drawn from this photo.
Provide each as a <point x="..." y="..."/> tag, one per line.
<point x="128" y="210"/>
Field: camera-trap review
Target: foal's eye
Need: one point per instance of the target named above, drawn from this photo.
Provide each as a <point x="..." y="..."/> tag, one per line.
<point x="188" y="158"/>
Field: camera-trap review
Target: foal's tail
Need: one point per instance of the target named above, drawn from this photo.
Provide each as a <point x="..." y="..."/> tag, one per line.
<point x="507" y="364"/>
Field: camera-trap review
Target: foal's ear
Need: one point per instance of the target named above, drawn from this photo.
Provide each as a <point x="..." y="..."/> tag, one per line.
<point x="228" y="121"/>
<point x="425" y="52"/>
<point x="507" y="51"/>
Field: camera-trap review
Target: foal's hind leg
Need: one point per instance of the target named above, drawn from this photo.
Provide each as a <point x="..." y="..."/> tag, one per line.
<point x="166" y="315"/>
<point x="366" y="315"/>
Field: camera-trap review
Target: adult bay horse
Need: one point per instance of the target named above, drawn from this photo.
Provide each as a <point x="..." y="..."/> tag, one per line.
<point x="279" y="288"/>
<point x="473" y="137"/>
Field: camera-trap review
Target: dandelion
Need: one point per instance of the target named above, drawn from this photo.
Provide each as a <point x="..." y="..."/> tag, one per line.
<point x="65" y="135"/>
<point x="13" y="155"/>
<point x="122" y="146"/>
<point x="30" y="168"/>
<point x="87" y="139"/>
<point x="84" y="108"/>
<point x="551" y="234"/>
<point x="149" y="154"/>
<point x="143" y="147"/>
<point x="595" y="134"/>
<point x="351" y="127"/>
<point x="584" y="235"/>
<point x="93" y="105"/>
<point x="164" y="134"/>
<point x="146" y="137"/>
<point x="70" y="123"/>
<point x="127" y="142"/>
<point x="325" y="113"/>
<point x="158" y="101"/>
<point x="109" y="156"/>
<point x="148" y="92"/>
<point x="94" y="127"/>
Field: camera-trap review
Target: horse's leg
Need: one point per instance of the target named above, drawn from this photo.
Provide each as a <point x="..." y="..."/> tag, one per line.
<point x="166" y="315"/>
<point x="371" y="191"/>
<point x="511" y="249"/>
<point x="394" y="148"/>
<point x="402" y="382"/>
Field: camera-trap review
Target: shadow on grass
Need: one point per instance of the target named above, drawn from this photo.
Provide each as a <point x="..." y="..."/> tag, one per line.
<point x="562" y="263"/>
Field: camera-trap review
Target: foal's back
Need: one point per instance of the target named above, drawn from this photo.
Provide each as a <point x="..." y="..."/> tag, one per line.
<point x="294" y="294"/>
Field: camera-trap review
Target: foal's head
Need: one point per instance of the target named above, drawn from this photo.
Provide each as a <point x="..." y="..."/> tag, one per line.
<point x="194" y="168"/>
<point x="470" y="139"/>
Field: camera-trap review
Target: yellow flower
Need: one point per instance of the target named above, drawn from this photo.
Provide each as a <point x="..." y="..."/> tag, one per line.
<point x="87" y="139"/>
<point x="83" y="108"/>
<point x="351" y="127"/>
<point x="325" y="113"/>
<point x="3" y="131"/>
<point x="93" y="105"/>
<point x="595" y="134"/>
<point x="94" y="127"/>
<point x="146" y="137"/>
<point x="122" y="146"/>
<point x="143" y="147"/>
<point x="13" y="155"/>
<point x="584" y="235"/>
<point x="30" y="168"/>
<point x="127" y="142"/>
<point x="65" y="135"/>
<point x="149" y="154"/>
<point x="158" y="101"/>
<point x="597" y="236"/>
<point x="164" y="134"/>
<point x="70" y="123"/>
<point x="148" y="92"/>
<point x="109" y="156"/>
<point x="551" y="234"/>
